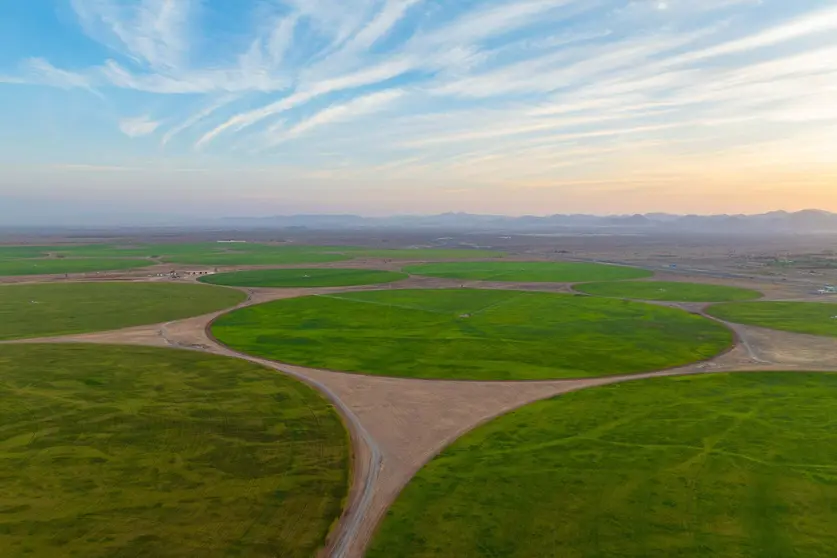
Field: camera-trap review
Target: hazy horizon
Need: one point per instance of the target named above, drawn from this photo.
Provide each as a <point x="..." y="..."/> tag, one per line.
<point x="382" y="107"/>
<point x="68" y="213"/>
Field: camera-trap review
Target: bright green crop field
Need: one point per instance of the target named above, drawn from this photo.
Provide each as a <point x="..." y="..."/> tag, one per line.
<point x="295" y="277"/>
<point x="472" y="334"/>
<point x="536" y="272"/>
<point x="720" y="466"/>
<point x="814" y="318"/>
<point x="673" y="291"/>
<point x="138" y="250"/>
<point x="67" y="265"/>
<point x="107" y="256"/>
<point x="119" y="451"/>
<point x="65" y="308"/>
<point x="247" y="254"/>
<point x="423" y="253"/>
<point x="115" y="250"/>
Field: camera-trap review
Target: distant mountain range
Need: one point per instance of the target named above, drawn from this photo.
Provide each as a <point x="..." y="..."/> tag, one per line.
<point x="60" y="216"/>
<point x="807" y="221"/>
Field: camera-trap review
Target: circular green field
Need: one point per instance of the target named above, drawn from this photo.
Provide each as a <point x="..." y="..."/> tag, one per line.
<point x="668" y="291"/>
<point x="727" y="466"/>
<point x="534" y="272"/>
<point x="68" y="265"/>
<point x="814" y="318"/>
<point x="118" y="451"/>
<point x="330" y="277"/>
<point x="65" y="308"/>
<point x="472" y="334"/>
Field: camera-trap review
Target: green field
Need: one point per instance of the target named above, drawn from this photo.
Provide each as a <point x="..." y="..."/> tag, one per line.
<point x="670" y="291"/>
<point x="112" y="250"/>
<point x="296" y="277"/>
<point x="64" y="308"/>
<point x="183" y="252"/>
<point x="535" y="272"/>
<point x="67" y="265"/>
<point x="721" y="466"/>
<point x="472" y="334"/>
<point x="255" y="254"/>
<point x="814" y="318"/>
<point x="423" y="253"/>
<point x="140" y="250"/>
<point x="107" y="256"/>
<point x="222" y="253"/>
<point x="14" y="252"/>
<point x="118" y="452"/>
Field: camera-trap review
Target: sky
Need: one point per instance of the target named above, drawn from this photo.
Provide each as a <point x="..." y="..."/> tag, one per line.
<point x="226" y="107"/>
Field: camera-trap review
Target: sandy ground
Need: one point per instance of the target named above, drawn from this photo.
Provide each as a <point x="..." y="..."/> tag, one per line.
<point x="397" y="425"/>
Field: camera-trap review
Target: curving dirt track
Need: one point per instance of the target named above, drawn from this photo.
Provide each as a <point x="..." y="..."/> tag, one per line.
<point x="397" y="425"/>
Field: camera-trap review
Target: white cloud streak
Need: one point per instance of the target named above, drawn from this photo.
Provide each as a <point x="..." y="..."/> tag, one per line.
<point x="138" y="126"/>
<point x="197" y="117"/>
<point x="504" y="18"/>
<point x="359" y="79"/>
<point x="154" y="32"/>
<point x="499" y="85"/>
<point x="811" y="24"/>
<point x="42" y="72"/>
<point x="378" y="28"/>
<point x="342" y="112"/>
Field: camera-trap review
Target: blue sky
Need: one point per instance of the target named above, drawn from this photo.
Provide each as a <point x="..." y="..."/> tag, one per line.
<point x="412" y="106"/>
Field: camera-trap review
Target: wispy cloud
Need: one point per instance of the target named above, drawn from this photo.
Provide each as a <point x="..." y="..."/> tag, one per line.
<point x="482" y="92"/>
<point x="199" y="116"/>
<point x="811" y="24"/>
<point x="504" y="17"/>
<point x="138" y="126"/>
<point x="40" y="71"/>
<point x="360" y="106"/>
<point x="11" y="79"/>
<point x="370" y="76"/>
<point x="152" y="32"/>
<point x="378" y="28"/>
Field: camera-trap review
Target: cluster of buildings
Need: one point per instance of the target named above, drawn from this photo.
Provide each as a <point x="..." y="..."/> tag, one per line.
<point x="173" y="274"/>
